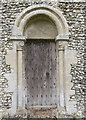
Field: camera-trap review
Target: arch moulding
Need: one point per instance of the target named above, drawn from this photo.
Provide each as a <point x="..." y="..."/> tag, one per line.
<point x="54" y="14"/>
<point x="18" y="38"/>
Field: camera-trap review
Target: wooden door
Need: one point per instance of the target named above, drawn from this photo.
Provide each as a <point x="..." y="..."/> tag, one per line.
<point x="40" y="71"/>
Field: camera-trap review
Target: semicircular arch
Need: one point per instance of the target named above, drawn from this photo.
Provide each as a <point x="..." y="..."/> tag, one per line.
<point x="52" y="13"/>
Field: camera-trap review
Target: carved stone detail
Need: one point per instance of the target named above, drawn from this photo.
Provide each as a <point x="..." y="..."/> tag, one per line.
<point x="20" y="45"/>
<point x="62" y="45"/>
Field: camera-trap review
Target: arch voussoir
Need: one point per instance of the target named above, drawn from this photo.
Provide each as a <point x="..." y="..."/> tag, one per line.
<point x="54" y="14"/>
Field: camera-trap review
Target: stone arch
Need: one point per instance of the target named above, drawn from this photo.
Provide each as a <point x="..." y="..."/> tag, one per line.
<point x="18" y="37"/>
<point x="53" y="14"/>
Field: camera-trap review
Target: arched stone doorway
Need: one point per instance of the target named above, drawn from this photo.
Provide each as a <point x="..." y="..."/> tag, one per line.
<point x="40" y="66"/>
<point x="43" y="32"/>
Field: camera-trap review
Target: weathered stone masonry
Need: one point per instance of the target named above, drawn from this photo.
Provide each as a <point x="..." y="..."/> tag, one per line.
<point x="75" y="13"/>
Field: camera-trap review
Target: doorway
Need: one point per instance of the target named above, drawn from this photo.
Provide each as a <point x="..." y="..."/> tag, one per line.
<point x="40" y="72"/>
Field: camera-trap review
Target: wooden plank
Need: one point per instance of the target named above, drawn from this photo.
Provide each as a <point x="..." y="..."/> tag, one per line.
<point x="53" y="66"/>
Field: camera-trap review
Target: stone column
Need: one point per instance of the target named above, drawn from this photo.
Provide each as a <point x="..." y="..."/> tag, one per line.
<point x="20" y="73"/>
<point x="61" y="74"/>
<point x="20" y="77"/>
<point x="61" y="43"/>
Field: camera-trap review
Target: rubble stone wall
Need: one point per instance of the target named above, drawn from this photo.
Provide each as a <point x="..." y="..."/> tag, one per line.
<point x="75" y="13"/>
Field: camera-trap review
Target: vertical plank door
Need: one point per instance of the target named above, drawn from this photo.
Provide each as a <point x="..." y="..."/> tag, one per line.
<point x="40" y="72"/>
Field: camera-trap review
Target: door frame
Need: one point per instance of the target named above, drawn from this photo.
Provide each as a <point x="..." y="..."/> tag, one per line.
<point x="18" y="48"/>
<point x="61" y="47"/>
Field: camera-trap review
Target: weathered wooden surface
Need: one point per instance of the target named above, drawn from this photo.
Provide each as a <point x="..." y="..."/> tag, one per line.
<point x="40" y="69"/>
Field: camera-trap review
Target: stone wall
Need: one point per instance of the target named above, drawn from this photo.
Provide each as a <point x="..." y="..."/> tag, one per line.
<point x="75" y="15"/>
<point x="74" y="12"/>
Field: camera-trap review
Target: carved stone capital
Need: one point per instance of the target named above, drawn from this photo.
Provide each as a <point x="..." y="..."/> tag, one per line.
<point x="62" y="40"/>
<point x="20" y="40"/>
<point x="62" y="45"/>
<point x="20" y="45"/>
